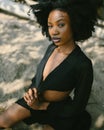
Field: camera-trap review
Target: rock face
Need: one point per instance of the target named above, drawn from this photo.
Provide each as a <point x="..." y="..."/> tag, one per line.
<point x="94" y="48"/>
<point x="21" y="48"/>
<point x="19" y="9"/>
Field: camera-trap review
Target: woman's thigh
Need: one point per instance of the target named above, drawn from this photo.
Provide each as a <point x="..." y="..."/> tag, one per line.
<point x="13" y="114"/>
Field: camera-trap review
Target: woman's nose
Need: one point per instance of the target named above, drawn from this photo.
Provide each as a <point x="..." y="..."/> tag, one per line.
<point x="55" y="31"/>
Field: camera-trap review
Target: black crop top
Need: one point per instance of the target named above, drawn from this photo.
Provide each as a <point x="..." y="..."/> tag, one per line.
<point x="74" y="73"/>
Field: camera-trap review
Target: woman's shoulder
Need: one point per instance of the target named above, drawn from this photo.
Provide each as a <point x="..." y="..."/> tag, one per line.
<point x="80" y="58"/>
<point x="84" y="61"/>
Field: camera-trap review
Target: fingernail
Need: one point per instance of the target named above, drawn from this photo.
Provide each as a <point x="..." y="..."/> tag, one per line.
<point x="30" y="101"/>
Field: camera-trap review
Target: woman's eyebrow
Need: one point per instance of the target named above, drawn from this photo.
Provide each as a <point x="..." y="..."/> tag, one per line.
<point x="57" y="20"/>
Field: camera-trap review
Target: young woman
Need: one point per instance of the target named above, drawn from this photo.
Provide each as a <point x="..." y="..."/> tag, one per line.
<point x="63" y="69"/>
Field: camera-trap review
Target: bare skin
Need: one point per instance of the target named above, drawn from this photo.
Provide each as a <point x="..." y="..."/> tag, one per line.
<point x="16" y="113"/>
<point x="12" y="115"/>
<point x="60" y="33"/>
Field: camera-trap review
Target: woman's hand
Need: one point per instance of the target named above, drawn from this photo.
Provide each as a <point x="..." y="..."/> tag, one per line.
<point x="31" y="97"/>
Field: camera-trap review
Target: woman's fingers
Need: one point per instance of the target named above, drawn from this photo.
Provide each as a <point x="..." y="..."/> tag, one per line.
<point x="35" y="92"/>
<point x="29" y="96"/>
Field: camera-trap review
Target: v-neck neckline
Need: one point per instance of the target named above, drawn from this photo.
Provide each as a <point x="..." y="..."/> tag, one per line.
<point x="57" y="67"/>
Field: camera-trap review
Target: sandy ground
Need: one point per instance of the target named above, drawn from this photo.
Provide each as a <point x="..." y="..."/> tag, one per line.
<point x="21" y="48"/>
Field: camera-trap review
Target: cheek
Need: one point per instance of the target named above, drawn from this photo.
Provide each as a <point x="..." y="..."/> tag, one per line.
<point x="49" y="31"/>
<point x="69" y="31"/>
<point x="66" y="32"/>
<point x="67" y="36"/>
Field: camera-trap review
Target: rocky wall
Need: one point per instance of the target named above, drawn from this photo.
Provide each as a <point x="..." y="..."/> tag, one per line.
<point x="21" y="48"/>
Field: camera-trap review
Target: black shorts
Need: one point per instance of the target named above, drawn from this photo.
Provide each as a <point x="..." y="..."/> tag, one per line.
<point x="45" y="117"/>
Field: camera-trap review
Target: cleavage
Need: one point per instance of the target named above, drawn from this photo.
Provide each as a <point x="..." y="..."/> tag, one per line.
<point x="53" y="62"/>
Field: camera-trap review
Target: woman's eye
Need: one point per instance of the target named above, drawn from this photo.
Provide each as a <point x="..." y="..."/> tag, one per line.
<point x="49" y="26"/>
<point x="61" y="24"/>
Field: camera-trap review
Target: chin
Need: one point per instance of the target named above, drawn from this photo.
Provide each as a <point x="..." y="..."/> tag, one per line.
<point x="57" y="43"/>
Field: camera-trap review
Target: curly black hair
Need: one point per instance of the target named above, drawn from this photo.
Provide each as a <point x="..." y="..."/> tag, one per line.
<point x="82" y="13"/>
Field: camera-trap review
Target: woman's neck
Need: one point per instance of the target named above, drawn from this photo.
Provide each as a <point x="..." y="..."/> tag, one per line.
<point x="66" y="49"/>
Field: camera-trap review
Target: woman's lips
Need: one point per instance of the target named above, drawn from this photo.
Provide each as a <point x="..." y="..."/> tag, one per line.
<point x="55" y="40"/>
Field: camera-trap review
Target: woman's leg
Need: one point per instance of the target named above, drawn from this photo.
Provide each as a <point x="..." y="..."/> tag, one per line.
<point x="12" y="115"/>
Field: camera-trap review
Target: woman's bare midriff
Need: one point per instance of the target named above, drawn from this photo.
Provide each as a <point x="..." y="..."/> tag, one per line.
<point x="54" y="96"/>
<point x="49" y="96"/>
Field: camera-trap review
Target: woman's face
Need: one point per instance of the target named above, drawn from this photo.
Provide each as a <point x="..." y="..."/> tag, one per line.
<point x="59" y="27"/>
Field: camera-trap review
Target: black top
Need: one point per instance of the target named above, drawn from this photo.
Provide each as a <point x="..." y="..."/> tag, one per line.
<point x="74" y="73"/>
